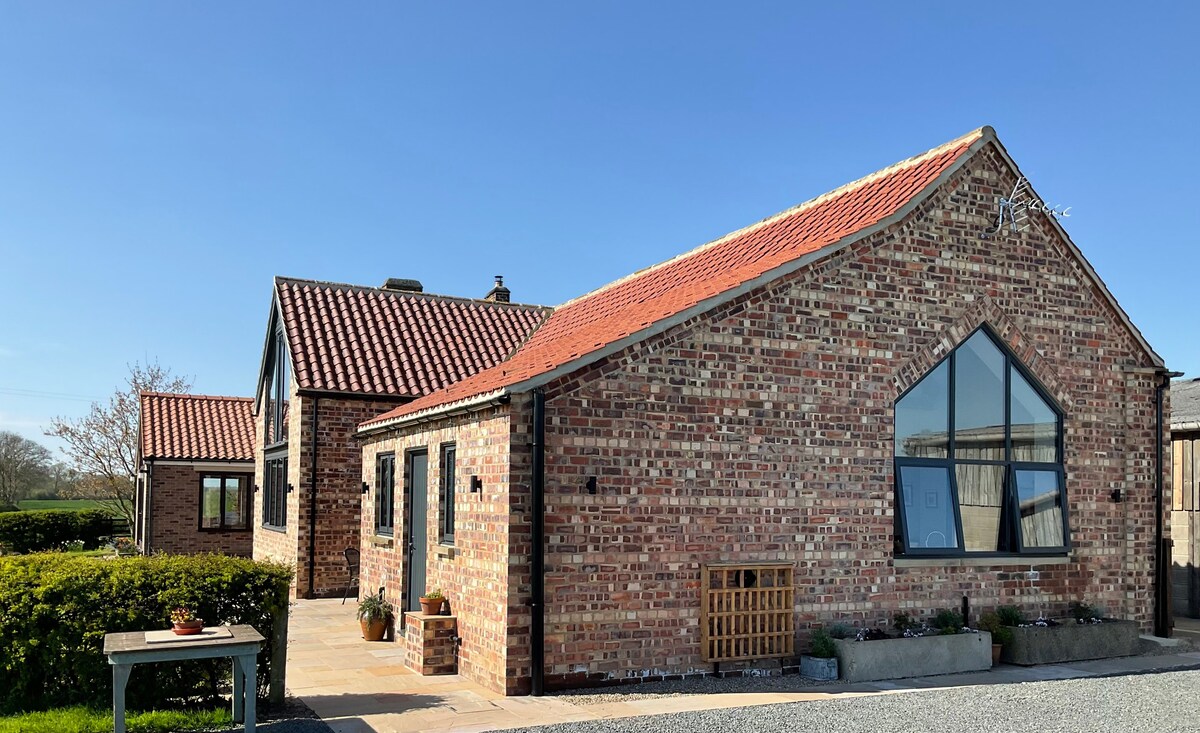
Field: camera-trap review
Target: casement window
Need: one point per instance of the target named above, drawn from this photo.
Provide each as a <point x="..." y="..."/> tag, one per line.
<point x="275" y="491"/>
<point x="385" y="494"/>
<point x="449" y="456"/>
<point x="224" y="501"/>
<point x="278" y="386"/>
<point x="978" y="459"/>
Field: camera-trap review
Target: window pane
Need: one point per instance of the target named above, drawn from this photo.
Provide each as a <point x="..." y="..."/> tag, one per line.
<point x="980" y="504"/>
<point x="1040" y="498"/>
<point x="928" y="510"/>
<point x="210" y="502"/>
<point x="923" y="416"/>
<point x="1034" y="423"/>
<point x="235" y="517"/>
<point x="448" y="481"/>
<point x="979" y="400"/>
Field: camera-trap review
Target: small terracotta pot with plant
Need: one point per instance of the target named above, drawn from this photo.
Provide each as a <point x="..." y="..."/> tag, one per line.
<point x="184" y="622"/>
<point x="431" y="602"/>
<point x="374" y="616"/>
<point x="993" y="623"/>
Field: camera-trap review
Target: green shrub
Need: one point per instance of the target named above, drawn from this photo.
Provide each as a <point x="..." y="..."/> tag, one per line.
<point x="903" y="622"/>
<point x="948" y="622"/>
<point x="822" y="645"/>
<point x="56" y="608"/>
<point x="993" y="624"/>
<point x="51" y="529"/>
<point x="1010" y="615"/>
<point x="1081" y="611"/>
<point x="9" y="507"/>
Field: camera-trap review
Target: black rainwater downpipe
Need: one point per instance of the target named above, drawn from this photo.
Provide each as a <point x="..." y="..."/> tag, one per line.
<point x="537" y="627"/>
<point x="312" y="504"/>
<point x="1162" y="610"/>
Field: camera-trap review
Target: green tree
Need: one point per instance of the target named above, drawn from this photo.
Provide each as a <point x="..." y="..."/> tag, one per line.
<point x="24" y="464"/>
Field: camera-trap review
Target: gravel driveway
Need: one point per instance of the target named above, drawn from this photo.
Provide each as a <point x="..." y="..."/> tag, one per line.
<point x="1149" y="703"/>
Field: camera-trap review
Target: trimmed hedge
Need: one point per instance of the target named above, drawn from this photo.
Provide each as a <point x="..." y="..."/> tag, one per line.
<point x="49" y="529"/>
<point x="55" y="610"/>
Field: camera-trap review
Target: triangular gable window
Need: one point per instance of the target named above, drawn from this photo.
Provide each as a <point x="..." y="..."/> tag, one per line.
<point x="978" y="458"/>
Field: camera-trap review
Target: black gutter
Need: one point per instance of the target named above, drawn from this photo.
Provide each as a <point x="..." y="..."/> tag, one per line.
<point x="537" y="630"/>
<point x="1162" y="570"/>
<point x="312" y="504"/>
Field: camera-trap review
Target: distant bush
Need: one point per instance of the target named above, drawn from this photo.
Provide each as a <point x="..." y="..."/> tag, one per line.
<point x="8" y="508"/>
<point x="55" y="610"/>
<point x="51" y="529"/>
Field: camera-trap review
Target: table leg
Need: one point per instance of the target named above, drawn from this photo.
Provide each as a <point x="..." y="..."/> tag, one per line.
<point x="120" y="677"/>
<point x="239" y="690"/>
<point x="250" y="669"/>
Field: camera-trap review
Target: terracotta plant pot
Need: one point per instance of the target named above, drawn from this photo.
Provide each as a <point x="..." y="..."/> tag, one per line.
<point x="374" y="630"/>
<point x="186" y="628"/>
<point x="996" y="649"/>
<point x="431" y="606"/>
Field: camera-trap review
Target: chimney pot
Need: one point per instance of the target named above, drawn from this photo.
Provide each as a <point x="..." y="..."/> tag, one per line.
<point x="498" y="293"/>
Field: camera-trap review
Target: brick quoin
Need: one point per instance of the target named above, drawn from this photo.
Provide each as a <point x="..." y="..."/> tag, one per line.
<point x="762" y="431"/>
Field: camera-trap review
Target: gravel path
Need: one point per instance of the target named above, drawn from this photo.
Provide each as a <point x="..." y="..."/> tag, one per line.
<point x="1145" y="703"/>
<point x="679" y="688"/>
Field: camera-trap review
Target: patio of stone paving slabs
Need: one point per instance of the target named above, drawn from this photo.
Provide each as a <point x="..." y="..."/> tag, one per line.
<point x="363" y="687"/>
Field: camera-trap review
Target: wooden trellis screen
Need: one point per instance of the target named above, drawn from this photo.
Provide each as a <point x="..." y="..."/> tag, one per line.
<point x="747" y="611"/>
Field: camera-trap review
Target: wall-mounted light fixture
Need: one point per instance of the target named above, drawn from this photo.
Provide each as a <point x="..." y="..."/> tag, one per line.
<point x="365" y="488"/>
<point x="290" y="489"/>
<point x="256" y="488"/>
<point x="1115" y="496"/>
<point x="476" y="484"/>
<point x="591" y="484"/>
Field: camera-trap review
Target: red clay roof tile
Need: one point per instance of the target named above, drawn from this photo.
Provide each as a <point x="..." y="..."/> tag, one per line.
<point x="347" y="338"/>
<point x="604" y="316"/>
<point x="196" y="427"/>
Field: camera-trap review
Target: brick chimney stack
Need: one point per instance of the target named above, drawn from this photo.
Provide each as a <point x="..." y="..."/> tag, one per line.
<point x="498" y="293"/>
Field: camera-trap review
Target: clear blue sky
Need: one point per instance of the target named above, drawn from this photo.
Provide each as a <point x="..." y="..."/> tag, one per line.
<point x="160" y="162"/>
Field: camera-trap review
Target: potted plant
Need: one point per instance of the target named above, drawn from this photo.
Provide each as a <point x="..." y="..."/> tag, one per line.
<point x="1001" y="634"/>
<point x="821" y="662"/>
<point x="431" y="602"/>
<point x="375" y="614"/>
<point x="184" y="622"/>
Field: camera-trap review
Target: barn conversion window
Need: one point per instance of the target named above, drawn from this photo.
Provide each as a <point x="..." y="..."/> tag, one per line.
<point x="223" y="503"/>
<point x="979" y="458"/>
<point x="385" y="494"/>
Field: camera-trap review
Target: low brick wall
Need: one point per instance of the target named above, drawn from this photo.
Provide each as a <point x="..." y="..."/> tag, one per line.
<point x="430" y="642"/>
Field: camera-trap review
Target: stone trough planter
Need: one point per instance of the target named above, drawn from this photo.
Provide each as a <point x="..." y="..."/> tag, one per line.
<point x="1071" y="642"/>
<point x="888" y="659"/>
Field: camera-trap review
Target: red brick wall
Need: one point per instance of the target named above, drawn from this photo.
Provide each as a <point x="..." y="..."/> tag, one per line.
<point x="473" y="576"/>
<point x="763" y="431"/>
<point x="338" y="471"/>
<point x="175" y="520"/>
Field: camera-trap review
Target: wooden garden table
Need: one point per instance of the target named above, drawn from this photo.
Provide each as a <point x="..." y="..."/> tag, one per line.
<point x="128" y="648"/>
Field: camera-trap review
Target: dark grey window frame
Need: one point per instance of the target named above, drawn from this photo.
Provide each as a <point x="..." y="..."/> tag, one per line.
<point x="448" y="470"/>
<point x="275" y="488"/>
<point x="385" y="494"/>
<point x="1010" y="541"/>
<point x="245" y="481"/>
<point x="275" y="433"/>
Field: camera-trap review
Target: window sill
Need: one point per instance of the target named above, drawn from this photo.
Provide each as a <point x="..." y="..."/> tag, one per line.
<point x="280" y="530"/>
<point x="447" y="551"/>
<point x="225" y="529"/>
<point x="381" y="541"/>
<point x="992" y="561"/>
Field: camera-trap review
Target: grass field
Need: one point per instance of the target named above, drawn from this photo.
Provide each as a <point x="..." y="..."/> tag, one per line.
<point x="73" y="504"/>
<point x="83" y="720"/>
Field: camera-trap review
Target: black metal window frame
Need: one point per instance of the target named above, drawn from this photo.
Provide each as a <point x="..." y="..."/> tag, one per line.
<point x="385" y="494"/>
<point x="448" y="469"/>
<point x="275" y="433"/>
<point x="275" y="489"/>
<point x="1010" y="536"/>
<point x="244" y="481"/>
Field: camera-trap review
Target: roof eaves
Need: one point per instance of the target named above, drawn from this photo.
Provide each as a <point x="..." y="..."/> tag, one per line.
<point x="470" y="404"/>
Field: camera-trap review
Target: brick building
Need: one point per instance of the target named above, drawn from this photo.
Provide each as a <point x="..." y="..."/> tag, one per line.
<point x="904" y="391"/>
<point x="334" y="356"/>
<point x="1185" y="505"/>
<point x="195" y="470"/>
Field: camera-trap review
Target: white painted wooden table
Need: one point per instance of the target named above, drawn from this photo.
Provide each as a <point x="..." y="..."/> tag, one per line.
<point x="128" y="648"/>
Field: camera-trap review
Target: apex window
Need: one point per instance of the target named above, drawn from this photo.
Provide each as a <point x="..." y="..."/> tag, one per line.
<point x="385" y="494"/>
<point x="978" y="458"/>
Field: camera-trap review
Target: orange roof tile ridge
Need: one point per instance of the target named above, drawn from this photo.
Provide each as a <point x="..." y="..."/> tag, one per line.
<point x="798" y="208"/>
<point x="193" y="395"/>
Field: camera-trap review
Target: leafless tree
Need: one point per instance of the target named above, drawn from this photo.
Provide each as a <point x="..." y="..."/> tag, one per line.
<point x="103" y="443"/>
<point x="24" y="464"/>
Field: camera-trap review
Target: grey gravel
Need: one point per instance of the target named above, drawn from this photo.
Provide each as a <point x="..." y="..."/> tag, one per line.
<point x="1143" y="703"/>
<point x="697" y="686"/>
